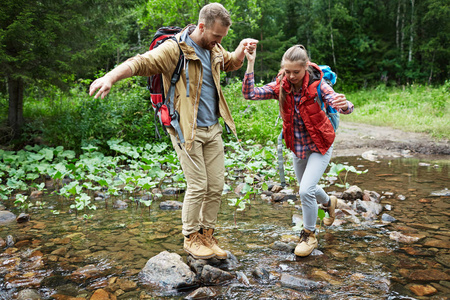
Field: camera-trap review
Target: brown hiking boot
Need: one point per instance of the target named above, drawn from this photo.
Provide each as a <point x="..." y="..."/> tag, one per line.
<point x="307" y="243"/>
<point x="211" y="243"/>
<point x="331" y="211"/>
<point x="194" y="245"/>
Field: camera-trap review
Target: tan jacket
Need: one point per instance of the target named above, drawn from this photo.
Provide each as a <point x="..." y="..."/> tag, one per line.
<point x="164" y="58"/>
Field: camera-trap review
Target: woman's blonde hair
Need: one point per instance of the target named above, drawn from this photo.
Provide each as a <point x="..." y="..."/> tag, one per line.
<point x="296" y="54"/>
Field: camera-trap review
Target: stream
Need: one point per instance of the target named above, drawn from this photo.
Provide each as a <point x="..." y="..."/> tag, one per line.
<point x="359" y="260"/>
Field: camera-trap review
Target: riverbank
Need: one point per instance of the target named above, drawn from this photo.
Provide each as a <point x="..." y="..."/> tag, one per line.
<point x="354" y="139"/>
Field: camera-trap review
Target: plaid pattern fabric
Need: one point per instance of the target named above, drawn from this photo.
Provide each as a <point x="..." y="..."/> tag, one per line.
<point x="302" y="140"/>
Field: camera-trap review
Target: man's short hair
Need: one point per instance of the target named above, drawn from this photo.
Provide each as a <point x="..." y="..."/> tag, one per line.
<point x="212" y="12"/>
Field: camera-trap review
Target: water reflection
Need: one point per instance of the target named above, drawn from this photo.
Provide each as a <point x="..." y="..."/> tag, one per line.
<point x="68" y="255"/>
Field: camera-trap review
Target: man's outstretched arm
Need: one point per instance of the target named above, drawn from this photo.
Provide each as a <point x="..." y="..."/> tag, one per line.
<point x="104" y="84"/>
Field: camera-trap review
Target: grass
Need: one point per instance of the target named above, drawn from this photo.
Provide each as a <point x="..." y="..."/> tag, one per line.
<point x="414" y="108"/>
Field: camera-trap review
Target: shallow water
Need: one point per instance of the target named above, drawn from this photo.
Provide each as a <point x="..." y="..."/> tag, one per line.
<point x="359" y="261"/>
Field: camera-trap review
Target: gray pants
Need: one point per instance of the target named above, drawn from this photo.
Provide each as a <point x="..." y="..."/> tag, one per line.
<point x="308" y="172"/>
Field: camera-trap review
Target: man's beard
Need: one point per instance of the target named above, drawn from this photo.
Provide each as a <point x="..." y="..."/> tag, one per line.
<point x="205" y="44"/>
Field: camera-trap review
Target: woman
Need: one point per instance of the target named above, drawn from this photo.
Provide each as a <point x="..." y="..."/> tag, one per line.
<point x="307" y="131"/>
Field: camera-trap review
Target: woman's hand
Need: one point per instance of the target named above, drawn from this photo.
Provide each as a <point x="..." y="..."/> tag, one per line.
<point x="340" y="102"/>
<point x="250" y="53"/>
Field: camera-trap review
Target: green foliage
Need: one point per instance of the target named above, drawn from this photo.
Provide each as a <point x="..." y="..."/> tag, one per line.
<point x="336" y="170"/>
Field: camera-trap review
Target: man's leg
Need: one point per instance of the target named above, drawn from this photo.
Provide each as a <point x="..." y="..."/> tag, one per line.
<point x="213" y="153"/>
<point x="196" y="180"/>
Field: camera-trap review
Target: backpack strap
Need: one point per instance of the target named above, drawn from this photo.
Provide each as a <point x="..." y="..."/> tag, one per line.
<point x="169" y="100"/>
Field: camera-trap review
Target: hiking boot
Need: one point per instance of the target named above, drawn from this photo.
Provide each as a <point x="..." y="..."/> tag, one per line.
<point x="331" y="211"/>
<point x="211" y="243"/>
<point x="194" y="245"/>
<point x="307" y="243"/>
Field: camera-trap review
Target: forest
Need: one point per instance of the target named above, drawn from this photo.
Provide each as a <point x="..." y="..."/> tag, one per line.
<point x="51" y="50"/>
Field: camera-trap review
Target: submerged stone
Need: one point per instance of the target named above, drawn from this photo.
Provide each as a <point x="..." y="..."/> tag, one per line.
<point x="171" y="205"/>
<point x="202" y="293"/>
<point x="6" y="217"/>
<point x="300" y="284"/>
<point x="423" y="290"/>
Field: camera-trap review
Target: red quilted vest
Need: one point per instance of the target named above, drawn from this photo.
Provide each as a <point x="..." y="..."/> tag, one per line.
<point x="314" y="118"/>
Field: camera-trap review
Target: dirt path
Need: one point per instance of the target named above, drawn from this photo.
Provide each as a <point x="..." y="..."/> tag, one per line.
<point x="357" y="139"/>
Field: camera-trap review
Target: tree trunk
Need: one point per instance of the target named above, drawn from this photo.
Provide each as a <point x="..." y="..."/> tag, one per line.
<point x="397" y="26"/>
<point x="15" y="114"/>
<point x="331" y="36"/>
<point x="411" y="33"/>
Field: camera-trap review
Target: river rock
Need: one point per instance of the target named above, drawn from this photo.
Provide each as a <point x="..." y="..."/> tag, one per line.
<point x="213" y="275"/>
<point x="282" y="246"/>
<point x="84" y="273"/>
<point x="387" y="218"/>
<point x="300" y="284"/>
<point x="28" y="294"/>
<point x="402" y="238"/>
<point x="352" y="193"/>
<point x="368" y="206"/>
<point x="23" y="217"/>
<point x="119" y="204"/>
<point x="442" y="193"/>
<point x="371" y="196"/>
<point x="437" y="243"/>
<point x="276" y="188"/>
<point x="10" y="241"/>
<point x="101" y="294"/>
<point x="172" y="191"/>
<point x="167" y="270"/>
<point x="242" y="278"/>
<point x="171" y="205"/>
<point x="6" y="217"/>
<point x="261" y="274"/>
<point x="427" y="275"/>
<point x="423" y="290"/>
<point x="203" y="293"/>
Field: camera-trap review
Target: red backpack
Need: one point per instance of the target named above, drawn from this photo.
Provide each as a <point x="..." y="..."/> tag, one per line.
<point x="162" y="102"/>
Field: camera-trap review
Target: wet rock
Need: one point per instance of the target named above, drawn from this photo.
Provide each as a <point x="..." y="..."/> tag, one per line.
<point x="300" y="284"/>
<point x="352" y="193"/>
<point x="424" y="226"/>
<point x="441" y="193"/>
<point x="28" y="294"/>
<point x="6" y="217"/>
<point x="172" y="191"/>
<point x="417" y="251"/>
<point x="242" y="278"/>
<point x="402" y="238"/>
<point x="423" y="290"/>
<point x="10" y="241"/>
<point x="36" y="194"/>
<point x="316" y="252"/>
<point x="119" y="204"/>
<point x="371" y="209"/>
<point x="387" y="218"/>
<point x="213" y="275"/>
<point x="101" y="294"/>
<point x="84" y="273"/>
<point x="371" y="196"/>
<point x="444" y="260"/>
<point x="171" y="205"/>
<point x="203" y="293"/>
<point x="167" y="270"/>
<point x="261" y="274"/>
<point x="436" y="243"/>
<point x="388" y="207"/>
<point x="426" y="275"/>
<point x="401" y="197"/>
<point x="284" y="247"/>
<point x="276" y="188"/>
<point x="126" y="285"/>
<point x="2" y="243"/>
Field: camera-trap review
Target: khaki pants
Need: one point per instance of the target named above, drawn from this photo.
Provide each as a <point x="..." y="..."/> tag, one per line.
<point x="204" y="184"/>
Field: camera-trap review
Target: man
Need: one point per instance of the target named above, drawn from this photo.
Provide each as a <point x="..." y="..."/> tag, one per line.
<point x="199" y="101"/>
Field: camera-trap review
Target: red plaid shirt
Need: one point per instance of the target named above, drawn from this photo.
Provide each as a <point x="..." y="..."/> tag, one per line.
<point x="302" y="140"/>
